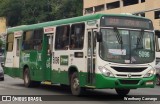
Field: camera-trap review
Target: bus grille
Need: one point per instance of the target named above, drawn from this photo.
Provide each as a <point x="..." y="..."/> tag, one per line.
<point x="126" y="69"/>
<point x="129" y="81"/>
<point x="132" y="76"/>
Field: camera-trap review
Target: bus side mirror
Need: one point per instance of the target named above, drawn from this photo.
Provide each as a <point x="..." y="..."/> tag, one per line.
<point x="99" y="37"/>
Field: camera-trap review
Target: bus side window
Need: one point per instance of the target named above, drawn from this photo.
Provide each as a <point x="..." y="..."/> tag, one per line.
<point x="62" y="37"/>
<point x="10" y="40"/>
<point x="94" y="42"/>
<point x="77" y="36"/>
<point x="38" y="36"/>
<point x="89" y="43"/>
<point x="32" y="40"/>
<point x="27" y="40"/>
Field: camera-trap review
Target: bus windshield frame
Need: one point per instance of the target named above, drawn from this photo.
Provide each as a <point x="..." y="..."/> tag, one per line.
<point x="136" y="36"/>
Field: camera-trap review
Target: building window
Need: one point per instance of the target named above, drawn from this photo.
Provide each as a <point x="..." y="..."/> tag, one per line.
<point x="130" y="2"/>
<point x="99" y="8"/>
<point x="89" y="10"/>
<point x="62" y="37"/>
<point x="157" y="14"/>
<point x="77" y="36"/>
<point x="32" y="40"/>
<point x="113" y="5"/>
<point x="10" y="40"/>
<point x="142" y="1"/>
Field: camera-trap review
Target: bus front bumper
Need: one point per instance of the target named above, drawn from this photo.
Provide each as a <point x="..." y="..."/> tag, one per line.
<point x="127" y="83"/>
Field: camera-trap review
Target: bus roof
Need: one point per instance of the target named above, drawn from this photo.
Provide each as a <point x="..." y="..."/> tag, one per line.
<point x="65" y="21"/>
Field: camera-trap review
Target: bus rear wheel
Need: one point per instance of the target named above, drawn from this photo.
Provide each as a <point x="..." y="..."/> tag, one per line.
<point x="122" y="92"/>
<point x="75" y="87"/>
<point x="27" y="80"/>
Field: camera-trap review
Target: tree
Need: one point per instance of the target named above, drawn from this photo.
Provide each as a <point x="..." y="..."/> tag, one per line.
<point x="67" y="8"/>
<point x="11" y="9"/>
<point x="24" y="12"/>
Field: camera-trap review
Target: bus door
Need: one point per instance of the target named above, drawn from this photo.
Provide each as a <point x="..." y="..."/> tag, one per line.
<point x="16" y="49"/>
<point x="49" y="45"/>
<point x="157" y="33"/>
<point x="91" y="56"/>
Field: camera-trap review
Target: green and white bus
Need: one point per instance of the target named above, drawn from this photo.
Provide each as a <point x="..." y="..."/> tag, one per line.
<point x="99" y="51"/>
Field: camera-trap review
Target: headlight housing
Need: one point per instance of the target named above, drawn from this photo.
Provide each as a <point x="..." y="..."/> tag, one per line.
<point x="105" y="71"/>
<point x="150" y="73"/>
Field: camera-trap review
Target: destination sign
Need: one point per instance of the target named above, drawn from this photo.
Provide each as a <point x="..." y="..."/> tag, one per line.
<point x="126" y="22"/>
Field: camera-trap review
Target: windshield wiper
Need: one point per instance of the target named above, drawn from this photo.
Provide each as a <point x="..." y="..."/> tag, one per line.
<point x="140" y="38"/>
<point x="118" y="35"/>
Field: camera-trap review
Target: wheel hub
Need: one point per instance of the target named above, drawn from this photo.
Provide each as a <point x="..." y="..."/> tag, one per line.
<point x="26" y="78"/>
<point x="76" y="83"/>
<point x="157" y="80"/>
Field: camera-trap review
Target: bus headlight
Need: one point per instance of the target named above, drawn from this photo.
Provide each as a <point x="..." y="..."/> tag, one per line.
<point x="150" y="73"/>
<point x="105" y="71"/>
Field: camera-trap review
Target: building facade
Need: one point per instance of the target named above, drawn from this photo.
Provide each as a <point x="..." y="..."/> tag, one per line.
<point x="2" y="26"/>
<point x="146" y="8"/>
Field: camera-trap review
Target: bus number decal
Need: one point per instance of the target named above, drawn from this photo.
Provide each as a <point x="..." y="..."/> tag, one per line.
<point x="55" y="60"/>
<point x="144" y="54"/>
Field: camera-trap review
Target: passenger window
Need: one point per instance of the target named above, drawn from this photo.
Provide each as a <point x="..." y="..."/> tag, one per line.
<point x="77" y="36"/>
<point x="62" y="37"/>
<point x="10" y="40"/>
<point x="32" y="40"/>
<point x="28" y="41"/>
<point x="38" y="36"/>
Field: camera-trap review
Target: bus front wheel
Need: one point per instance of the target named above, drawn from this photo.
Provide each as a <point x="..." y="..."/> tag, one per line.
<point x="75" y="87"/>
<point x="122" y="91"/>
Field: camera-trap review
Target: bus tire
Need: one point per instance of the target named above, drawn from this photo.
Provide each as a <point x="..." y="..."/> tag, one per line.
<point x="122" y="92"/>
<point x="157" y="80"/>
<point x="75" y="87"/>
<point x="26" y="78"/>
<point x="2" y="79"/>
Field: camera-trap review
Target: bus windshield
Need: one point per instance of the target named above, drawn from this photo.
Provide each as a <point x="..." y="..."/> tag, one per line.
<point x="134" y="48"/>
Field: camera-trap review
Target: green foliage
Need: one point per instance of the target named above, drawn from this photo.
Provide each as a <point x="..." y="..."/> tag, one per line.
<point x="23" y="12"/>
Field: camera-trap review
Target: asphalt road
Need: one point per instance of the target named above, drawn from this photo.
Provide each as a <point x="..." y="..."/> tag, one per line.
<point x="14" y="86"/>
